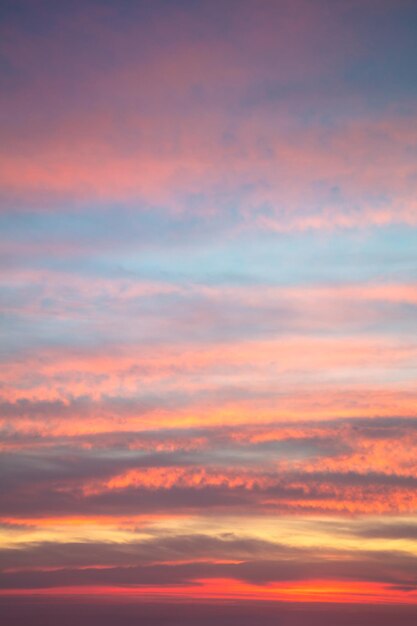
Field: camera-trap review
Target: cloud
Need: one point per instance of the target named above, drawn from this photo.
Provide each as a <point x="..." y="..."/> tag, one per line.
<point x="208" y="232"/>
<point x="258" y="129"/>
<point x="280" y="565"/>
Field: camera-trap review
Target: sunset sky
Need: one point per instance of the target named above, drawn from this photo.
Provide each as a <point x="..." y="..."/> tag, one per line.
<point x="208" y="287"/>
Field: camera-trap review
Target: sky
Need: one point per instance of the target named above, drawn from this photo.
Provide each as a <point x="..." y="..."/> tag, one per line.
<point x="208" y="285"/>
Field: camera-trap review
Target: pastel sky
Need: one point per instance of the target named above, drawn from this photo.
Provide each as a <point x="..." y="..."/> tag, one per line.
<point x="208" y="283"/>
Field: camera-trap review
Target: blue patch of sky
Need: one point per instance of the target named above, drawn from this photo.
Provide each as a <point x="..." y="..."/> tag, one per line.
<point x="218" y="250"/>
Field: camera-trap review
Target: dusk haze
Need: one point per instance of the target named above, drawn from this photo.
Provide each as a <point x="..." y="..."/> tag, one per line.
<point x="208" y="312"/>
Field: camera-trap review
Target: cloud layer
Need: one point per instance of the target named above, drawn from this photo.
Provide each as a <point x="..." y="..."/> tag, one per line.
<point x="208" y="229"/>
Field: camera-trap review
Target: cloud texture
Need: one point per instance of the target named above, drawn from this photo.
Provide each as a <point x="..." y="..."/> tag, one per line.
<point x="208" y="228"/>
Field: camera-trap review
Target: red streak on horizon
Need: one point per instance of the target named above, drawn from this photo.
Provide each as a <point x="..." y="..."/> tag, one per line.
<point x="227" y="589"/>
